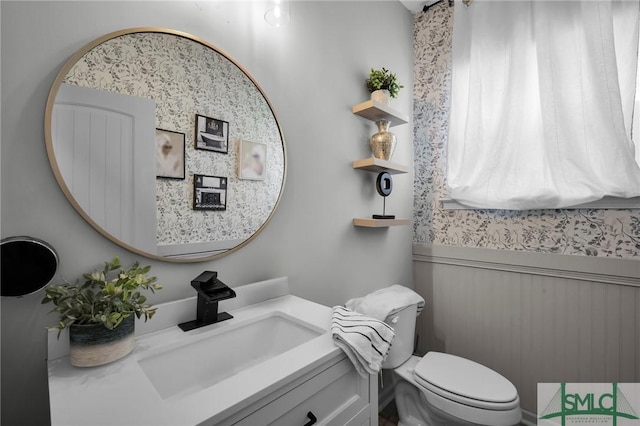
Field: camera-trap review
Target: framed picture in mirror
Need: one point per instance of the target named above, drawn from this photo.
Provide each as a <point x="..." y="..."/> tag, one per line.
<point x="170" y="154"/>
<point x="209" y="192"/>
<point x="211" y="134"/>
<point x="252" y="160"/>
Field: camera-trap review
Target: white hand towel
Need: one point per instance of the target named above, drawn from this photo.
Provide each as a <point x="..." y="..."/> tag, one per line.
<point x="387" y="301"/>
<point x="365" y="340"/>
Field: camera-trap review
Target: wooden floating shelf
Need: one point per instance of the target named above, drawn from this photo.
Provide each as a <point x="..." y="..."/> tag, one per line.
<point x="377" y="165"/>
<point x="375" y="111"/>
<point x="379" y="223"/>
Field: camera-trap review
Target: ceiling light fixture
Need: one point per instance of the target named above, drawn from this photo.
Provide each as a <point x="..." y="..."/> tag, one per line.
<point x="279" y="14"/>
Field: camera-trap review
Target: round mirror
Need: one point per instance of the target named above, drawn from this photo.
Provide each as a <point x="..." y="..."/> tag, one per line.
<point x="165" y="145"/>
<point x="28" y="264"/>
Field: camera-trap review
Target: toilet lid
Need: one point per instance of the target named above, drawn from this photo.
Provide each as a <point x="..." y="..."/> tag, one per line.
<point x="464" y="380"/>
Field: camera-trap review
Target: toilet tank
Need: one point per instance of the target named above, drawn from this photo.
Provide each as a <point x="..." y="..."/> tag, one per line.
<point x="404" y="325"/>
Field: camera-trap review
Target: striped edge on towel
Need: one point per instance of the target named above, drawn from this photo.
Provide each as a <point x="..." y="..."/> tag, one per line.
<point x="365" y="340"/>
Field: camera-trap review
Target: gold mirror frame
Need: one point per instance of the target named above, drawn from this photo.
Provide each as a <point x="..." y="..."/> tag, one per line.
<point x="69" y="195"/>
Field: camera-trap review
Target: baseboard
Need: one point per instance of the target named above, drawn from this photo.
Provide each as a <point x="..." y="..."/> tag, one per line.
<point x="529" y="418"/>
<point x="385" y="396"/>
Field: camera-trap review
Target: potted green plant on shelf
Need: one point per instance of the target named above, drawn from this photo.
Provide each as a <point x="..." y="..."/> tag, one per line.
<point x="383" y="83"/>
<point x="100" y="312"/>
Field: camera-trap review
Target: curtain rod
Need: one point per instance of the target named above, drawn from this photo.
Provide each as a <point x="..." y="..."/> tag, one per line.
<point x="427" y="7"/>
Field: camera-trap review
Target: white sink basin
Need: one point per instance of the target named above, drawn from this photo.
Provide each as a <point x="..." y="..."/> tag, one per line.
<point x="222" y="353"/>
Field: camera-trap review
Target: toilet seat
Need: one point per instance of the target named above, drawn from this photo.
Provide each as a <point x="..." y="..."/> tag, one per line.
<point x="466" y="382"/>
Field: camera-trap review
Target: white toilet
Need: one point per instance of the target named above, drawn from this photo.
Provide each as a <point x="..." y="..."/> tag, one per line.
<point x="442" y="389"/>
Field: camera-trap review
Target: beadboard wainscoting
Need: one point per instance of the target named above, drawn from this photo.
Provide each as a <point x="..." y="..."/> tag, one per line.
<point x="532" y="317"/>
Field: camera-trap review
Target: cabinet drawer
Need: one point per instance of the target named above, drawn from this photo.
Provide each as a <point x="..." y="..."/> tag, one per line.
<point x="334" y="396"/>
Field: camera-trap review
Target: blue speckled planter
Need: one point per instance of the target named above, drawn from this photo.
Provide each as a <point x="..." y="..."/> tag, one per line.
<point x="94" y="344"/>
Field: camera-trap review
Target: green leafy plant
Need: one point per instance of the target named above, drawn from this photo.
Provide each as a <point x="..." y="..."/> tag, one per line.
<point x="106" y="297"/>
<point x="383" y="80"/>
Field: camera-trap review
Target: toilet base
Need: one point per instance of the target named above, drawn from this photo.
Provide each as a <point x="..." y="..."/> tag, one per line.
<point x="414" y="410"/>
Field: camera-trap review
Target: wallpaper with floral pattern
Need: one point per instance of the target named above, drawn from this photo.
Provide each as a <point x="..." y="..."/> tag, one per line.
<point x="186" y="78"/>
<point x="590" y="232"/>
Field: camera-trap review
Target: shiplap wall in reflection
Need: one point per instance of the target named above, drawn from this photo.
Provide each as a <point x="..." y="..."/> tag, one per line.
<point x="530" y="322"/>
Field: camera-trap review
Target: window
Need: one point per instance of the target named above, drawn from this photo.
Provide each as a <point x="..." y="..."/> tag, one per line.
<point x="542" y="103"/>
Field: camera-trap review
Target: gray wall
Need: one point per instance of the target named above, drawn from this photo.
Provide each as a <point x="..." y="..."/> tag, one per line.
<point x="312" y="70"/>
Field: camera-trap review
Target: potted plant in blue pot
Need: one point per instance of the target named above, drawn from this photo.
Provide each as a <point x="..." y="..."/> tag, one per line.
<point x="100" y="312"/>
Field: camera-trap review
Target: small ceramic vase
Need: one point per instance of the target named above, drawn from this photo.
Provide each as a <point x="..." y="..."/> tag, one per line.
<point x="381" y="96"/>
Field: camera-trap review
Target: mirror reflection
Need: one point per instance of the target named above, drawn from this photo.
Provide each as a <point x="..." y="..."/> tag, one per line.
<point x="165" y="144"/>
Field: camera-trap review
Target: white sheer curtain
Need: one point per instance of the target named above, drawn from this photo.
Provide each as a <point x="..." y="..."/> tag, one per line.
<point x="542" y="103"/>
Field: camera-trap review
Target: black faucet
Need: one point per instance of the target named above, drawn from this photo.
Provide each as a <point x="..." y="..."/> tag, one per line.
<point x="210" y="291"/>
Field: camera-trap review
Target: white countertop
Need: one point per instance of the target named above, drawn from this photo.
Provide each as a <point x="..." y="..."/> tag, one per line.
<point x="121" y="394"/>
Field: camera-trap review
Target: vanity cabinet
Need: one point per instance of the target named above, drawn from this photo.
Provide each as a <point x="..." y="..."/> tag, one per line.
<point x="375" y="111"/>
<point x="332" y="394"/>
<point x="280" y="388"/>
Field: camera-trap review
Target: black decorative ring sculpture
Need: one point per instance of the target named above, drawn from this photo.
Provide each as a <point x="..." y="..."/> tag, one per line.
<point x="384" y="184"/>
